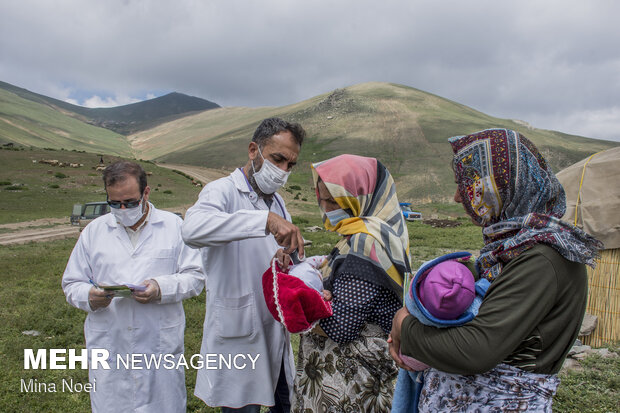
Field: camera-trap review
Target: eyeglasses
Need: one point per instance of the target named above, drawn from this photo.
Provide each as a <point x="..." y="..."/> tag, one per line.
<point x="128" y="205"/>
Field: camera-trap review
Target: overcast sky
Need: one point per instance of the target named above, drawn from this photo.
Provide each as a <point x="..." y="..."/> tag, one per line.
<point x="554" y="64"/>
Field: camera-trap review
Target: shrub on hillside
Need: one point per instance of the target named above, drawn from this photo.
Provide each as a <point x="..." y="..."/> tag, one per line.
<point x="182" y="174"/>
<point x="15" y="188"/>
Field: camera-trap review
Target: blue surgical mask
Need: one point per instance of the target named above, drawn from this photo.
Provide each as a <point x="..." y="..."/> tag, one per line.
<point x="336" y="216"/>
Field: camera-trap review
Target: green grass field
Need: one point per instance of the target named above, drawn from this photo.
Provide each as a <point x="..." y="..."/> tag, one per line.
<point x="31" y="191"/>
<point x="32" y="299"/>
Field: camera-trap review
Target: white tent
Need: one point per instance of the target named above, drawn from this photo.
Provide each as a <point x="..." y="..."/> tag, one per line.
<point x="592" y="189"/>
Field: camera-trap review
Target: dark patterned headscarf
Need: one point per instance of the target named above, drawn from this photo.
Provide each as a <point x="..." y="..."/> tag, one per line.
<point x="507" y="187"/>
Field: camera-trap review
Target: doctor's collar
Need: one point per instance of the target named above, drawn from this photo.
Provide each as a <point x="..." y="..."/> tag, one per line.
<point x="254" y="197"/>
<point x="268" y="198"/>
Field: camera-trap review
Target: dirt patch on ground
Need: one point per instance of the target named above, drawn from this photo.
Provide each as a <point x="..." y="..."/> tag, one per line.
<point x="204" y="175"/>
<point x="36" y="223"/>
<point x="23" y="236"/>
<point x="441" y="223"/>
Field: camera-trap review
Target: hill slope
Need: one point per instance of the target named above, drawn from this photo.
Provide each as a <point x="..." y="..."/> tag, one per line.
<point x="405" y="128"/>
<point x="139" y="116"/>
<point x="32" y="123"/>
<point x="124" y="119"/>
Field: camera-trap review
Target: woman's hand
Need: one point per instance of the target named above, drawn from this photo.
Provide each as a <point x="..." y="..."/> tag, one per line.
<point x="394" y="337"/>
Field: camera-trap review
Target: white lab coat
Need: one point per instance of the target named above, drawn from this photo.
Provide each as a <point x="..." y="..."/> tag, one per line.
<point x="105" y="254"/>
<point x="230" y="230"/>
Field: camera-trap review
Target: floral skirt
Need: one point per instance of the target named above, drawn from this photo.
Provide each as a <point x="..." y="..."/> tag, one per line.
<point x="503" y="389"/>
<point x="353" y="377"/>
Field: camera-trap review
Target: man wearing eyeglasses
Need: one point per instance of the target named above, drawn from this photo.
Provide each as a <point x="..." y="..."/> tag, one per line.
<point x="140" y="247"/>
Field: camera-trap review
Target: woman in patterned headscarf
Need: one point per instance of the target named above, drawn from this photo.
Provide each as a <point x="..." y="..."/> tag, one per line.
<point x="345" y="365"/>
<point x="508" y="357"/>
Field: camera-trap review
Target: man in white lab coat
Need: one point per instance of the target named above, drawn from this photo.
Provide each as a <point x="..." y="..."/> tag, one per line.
<point x="240" y="222"/>
<point x="140" y="245"/>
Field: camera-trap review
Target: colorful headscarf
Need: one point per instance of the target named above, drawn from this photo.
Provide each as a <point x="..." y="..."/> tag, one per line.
<point x="507" y="187"/>
<point x="377" y="232"/>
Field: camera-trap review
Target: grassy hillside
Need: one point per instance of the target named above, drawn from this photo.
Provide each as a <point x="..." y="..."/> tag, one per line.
<point x="223" y="128"/>
<point x="31" y="123"/>
<point x="405" y="128"/>
<point x="123" y="119"/>
<point x="31" y="190"/>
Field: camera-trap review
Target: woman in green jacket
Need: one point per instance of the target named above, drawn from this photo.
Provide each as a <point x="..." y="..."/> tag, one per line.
<point x="508" y="357"/>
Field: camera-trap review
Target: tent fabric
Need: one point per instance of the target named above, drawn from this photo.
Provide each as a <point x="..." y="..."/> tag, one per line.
<point x="599" y="196"/>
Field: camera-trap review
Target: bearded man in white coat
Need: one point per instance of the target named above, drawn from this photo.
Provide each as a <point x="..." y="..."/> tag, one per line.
<point x="136" y="244"/>
<point x="240" y="223"/>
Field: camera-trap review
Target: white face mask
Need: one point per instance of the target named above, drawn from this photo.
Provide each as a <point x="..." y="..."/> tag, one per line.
<point x="128" y="216"/>
<point x="270" y="178"/>
<point x="336" y="216"/>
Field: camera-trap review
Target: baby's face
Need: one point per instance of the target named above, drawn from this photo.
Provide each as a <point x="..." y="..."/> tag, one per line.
<point x="308" y="274"/>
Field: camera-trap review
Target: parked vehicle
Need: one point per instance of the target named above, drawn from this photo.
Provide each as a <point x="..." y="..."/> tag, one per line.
<point x="408" y="213"/>
<point x="83" y="214"/>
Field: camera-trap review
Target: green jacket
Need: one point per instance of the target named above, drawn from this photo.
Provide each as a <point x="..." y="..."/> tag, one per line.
<point x="529" y="318"/>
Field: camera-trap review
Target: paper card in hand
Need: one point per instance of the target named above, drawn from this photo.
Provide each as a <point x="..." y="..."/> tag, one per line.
<point x="122" y="290"/>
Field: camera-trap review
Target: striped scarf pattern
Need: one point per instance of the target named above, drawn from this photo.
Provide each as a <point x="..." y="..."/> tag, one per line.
<point x="377" y="231"/>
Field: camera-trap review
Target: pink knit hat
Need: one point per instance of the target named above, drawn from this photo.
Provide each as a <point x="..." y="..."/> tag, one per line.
<point x="447" y="290"/>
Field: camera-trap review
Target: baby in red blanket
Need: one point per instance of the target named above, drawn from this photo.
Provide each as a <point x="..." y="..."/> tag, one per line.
<point x="296" y="298"/>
